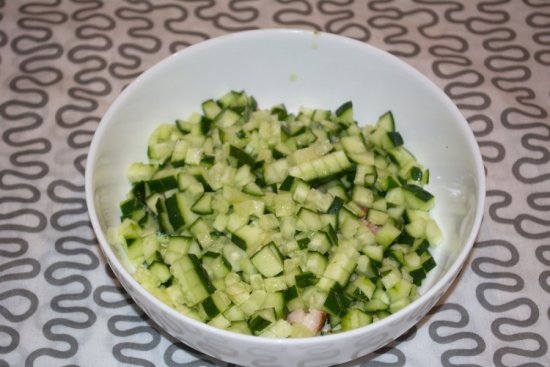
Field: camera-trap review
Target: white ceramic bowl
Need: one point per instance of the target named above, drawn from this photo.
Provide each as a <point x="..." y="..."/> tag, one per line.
<point x="298" y="68"/>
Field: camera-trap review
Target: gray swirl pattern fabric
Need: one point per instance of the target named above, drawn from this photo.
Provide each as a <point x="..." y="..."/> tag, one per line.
<point x="63" y="61"/>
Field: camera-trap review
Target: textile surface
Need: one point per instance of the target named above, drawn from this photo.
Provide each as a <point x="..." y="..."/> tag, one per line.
<point x="63" y="62"/>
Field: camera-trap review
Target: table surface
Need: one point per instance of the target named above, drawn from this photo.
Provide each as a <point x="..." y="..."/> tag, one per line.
<point x="63" y="62"/>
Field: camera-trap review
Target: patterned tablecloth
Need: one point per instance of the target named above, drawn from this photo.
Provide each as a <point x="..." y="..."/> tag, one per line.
<point x="62" y="62"/>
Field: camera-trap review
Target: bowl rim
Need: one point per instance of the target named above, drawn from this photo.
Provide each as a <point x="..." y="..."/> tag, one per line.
<point x="440" y="286"/>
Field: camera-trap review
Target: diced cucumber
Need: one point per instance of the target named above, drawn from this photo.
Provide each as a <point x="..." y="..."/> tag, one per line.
<point x="261" y="319"/>
<point x="227" y="118"/>
<point x="418" y="198"/>
<point x="211" y="108"/>
<point x="355" y="318"/>
<point x="242" y="215"/>
<point x="216" y="265"/>
<point x="138" y="171"/>
<point x="361" y="288"/>
<point x="203" y="205"/>
<point x="387" y="234"/>
<point x="331" y="165"/>
<point x="386" y="121"/>
<point x="345" y="112"/>
<point x="337" y="302"/>
<point x="194" y="280"/>
<point x="268" y="260"/>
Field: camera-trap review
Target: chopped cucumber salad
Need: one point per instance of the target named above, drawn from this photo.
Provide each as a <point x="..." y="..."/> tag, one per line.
<point x="279" y="224"/>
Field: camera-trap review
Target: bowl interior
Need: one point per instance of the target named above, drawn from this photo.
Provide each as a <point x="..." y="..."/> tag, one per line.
<point x="298" y="68"/>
